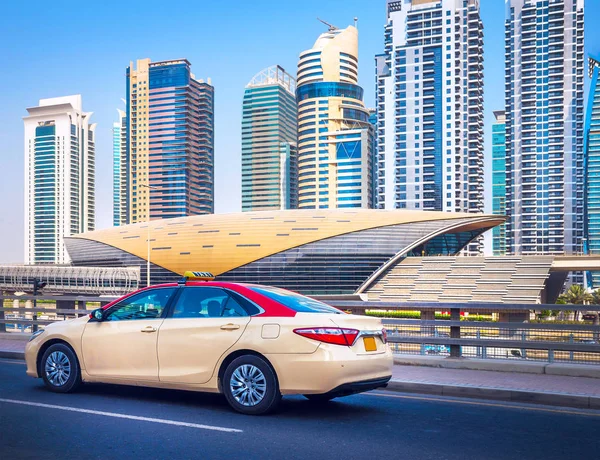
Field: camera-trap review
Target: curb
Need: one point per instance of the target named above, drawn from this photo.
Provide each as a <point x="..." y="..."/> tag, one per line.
<point x="498" y="394"/>
<point x="15" y="336"/>
<point x="12" y="355"/>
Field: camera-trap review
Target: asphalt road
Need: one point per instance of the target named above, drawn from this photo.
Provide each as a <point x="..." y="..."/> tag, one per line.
<point x="105" y="421"/>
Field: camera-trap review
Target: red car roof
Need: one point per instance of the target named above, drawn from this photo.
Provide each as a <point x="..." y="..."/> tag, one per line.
<point x="270" y="306"/>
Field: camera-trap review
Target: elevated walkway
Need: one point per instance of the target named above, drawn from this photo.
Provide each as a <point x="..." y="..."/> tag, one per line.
<point x="70" y="280"/>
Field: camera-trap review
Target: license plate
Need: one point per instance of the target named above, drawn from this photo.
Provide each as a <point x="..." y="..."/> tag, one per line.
<point x="370" y="344"/>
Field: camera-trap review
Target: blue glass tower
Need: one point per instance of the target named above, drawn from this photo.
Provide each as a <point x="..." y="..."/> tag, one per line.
<point x="592" y="151"/>
<point x="499" y="181"/>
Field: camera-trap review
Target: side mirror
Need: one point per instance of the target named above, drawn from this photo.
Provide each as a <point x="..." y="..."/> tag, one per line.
<point x="98" y="314"/>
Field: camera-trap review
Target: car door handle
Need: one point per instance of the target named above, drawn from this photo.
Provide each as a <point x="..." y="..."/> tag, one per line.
<point x="149" y="329"/>
<point x="230" y="327"/>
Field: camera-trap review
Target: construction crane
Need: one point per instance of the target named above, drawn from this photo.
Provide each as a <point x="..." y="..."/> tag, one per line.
<point x="331" y="26"/>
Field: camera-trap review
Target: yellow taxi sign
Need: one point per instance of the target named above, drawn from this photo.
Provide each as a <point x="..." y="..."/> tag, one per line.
<point x="199" y="276"/>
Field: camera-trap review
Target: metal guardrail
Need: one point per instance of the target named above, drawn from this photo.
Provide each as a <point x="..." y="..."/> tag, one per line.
<point x="454" y="336"/>
<point x="29" y="318"/>
<point x="458" y="336"/>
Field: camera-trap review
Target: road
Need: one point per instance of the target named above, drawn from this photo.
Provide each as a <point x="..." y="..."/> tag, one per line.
<point x="105" y="422"/>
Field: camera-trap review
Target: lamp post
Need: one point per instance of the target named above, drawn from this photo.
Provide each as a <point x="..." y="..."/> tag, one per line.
<point x="148" y="237"/>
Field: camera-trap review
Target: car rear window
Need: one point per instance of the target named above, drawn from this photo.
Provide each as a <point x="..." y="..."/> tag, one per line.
<point x="296" y="302"/>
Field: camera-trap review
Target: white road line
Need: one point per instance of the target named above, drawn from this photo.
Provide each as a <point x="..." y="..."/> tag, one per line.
<point x="129" y="417"/>
<point x="12" y="361"/>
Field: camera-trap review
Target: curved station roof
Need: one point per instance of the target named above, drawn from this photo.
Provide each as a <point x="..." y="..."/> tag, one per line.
<point x="312" y="251"/>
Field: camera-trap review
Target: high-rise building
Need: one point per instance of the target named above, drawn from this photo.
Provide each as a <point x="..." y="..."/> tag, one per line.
<point x="119" y="132"/>
<point x="544" y="126"/>
<point x="59" y="177"/>
<point x="169" y="141"/>
<point x="499" y="181"/>
<point x="430" y="108"/>
<point x="592" y="157"/>
<point x="335" y="137"/>
<point x="269" y="136"/>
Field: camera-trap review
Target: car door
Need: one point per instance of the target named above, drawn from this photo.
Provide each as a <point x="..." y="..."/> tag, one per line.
<point x="123" y="344"/>
<point x="204" y="323"/>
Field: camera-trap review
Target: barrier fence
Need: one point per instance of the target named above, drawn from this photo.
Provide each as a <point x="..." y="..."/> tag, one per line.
<point x="493" y="331"/>
<point x="515" y="334"/>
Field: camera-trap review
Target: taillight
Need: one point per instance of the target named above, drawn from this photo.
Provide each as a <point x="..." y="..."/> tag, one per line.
<point x="384" y="335"/>
<point x="335" y="335"/>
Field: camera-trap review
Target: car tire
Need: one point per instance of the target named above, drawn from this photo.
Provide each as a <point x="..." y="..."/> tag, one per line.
<point x="60" y="369"/>
<point x="250" y="386"/>
<point x="322" y="398"/>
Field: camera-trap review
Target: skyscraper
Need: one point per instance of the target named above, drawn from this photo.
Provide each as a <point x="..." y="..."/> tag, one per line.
<point x="544" y="126"/>
<point x="119" y="132"/>
<point x="269" y="136"/>
<point x="430" y="107"/>
<point x="59" y="177"/>
<point x="499" y="181"/>
<point x="169" y="141"/>
<point x="335" y="138"/>
<point x="592" y="156"/>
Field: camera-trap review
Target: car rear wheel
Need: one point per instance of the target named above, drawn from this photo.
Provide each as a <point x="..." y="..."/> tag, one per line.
<point x="322" y="398"/>
<point x="60" y="369"/>
<point x="250" y="386"/>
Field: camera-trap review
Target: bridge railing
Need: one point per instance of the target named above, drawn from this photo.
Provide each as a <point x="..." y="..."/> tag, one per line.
<point x="25" y="318"/>
<point x="492" y="330"/>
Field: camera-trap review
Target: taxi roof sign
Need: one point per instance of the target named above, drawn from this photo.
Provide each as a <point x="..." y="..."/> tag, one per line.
<point x="198" y="276"/>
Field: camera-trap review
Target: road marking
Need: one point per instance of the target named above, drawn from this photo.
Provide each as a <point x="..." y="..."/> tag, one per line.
<point x="125" y="416"/>
<point x="474" y="403"/>
<point x="12" y="361"/>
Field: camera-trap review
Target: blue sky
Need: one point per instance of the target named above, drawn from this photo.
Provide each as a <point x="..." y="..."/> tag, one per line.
<point x="67" y="47"/>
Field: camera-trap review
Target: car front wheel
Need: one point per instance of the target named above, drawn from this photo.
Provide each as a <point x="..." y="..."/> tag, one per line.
<point x="60" y="369"/>
<point x="250" y="386"/>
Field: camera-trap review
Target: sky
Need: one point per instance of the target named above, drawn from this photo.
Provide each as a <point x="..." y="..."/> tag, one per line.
<point x="65" y="47"/>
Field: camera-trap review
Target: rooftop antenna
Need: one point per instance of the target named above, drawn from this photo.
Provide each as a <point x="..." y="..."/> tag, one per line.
<point x="355" y="22"/>
<point x="331" y="26"/>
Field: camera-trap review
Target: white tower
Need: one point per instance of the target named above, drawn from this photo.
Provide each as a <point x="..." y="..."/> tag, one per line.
<point x="59" y="177"/>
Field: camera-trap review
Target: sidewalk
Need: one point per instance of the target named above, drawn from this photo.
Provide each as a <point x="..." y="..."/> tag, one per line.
<point x="556" y="390"/>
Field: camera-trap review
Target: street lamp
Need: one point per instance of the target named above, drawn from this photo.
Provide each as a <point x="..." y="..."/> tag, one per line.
<point x="148" y="238"/>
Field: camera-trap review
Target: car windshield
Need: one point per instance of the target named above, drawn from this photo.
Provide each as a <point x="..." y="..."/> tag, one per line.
<point x="294" y="301"/>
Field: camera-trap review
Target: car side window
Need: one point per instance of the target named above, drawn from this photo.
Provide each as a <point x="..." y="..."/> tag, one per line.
<point x="145" y="305"/>
<point x="206" y="302"/>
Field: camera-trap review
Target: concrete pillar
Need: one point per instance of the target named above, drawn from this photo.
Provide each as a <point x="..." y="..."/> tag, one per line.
<point x="513" y="317"/>
<point x="427" y="315"/>
<point x="2" y="324"/>
<point x="455" y="351"/>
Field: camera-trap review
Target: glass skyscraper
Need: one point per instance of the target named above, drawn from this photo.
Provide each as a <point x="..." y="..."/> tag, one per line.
<point x="269" y="136"/>
<point x="499" y="181"/>
<point x="430" y="108"/>
<point x="592" y="156"/>
<point x="119" y="168"/>
<point x="169" y="142"/>
<point x="59" y="177"/>
<point x="335" y="137"/>
<point x="544" y="126"/>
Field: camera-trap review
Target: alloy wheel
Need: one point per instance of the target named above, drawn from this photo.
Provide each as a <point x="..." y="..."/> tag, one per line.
<point x="58" y="368"/>
<point x="248" y="385"/>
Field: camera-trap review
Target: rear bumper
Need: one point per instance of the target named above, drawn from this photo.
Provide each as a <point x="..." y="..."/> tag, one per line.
<point x="331" y="368"/>
<point x="360" y="387"/>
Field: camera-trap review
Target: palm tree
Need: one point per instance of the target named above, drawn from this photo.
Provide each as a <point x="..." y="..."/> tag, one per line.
<point x="576" y="295"/>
